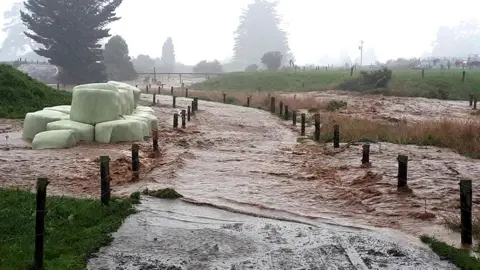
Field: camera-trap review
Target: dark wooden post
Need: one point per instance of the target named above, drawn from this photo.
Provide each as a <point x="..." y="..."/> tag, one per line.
<point x="105" y="179"/>
<point x="286" y="113"/>
<point x="317" y="127"/>
<point x="463" y="76"/>
<point x="188" y="113"/>
<point x="154" y="98"/>
<point x="402" y="171"/>
<point x="193" y="107"/>
<point x="302" y="122"/>
<point x="183" y="119"/>
<point x="366" y="154"/>
<point x="466" y="211"/>
<point x="175" y="120"/>
<point x="272" y="104"/>
<point x="196" y="103"/>
<point x="40" y="223"/>
<point x="135" y="162"/>
<point x="155" y="140"/>
<point x="174" y="101"/>
<point x="470" y="96"/>
<point x="336" y="136"/>
<point x="474" y="102"/>
<point x="224" y="98"/>
<point x="294" y="118"/>
<point x="351" y="71"/>
<point x="280" y="108"/>
<point x="159" y="90"/>
<point x="186" y="92"/>
<point x="248" y="101"/>
<point x="171" y="91"/>
<point x="423" y="73"/>
<point x="146" y="88"/>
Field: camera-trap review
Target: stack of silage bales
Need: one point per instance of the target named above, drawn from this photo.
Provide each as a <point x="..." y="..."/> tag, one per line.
<point x="100" y="112"/>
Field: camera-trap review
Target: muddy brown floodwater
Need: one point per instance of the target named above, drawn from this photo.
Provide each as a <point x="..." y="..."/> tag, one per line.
<point x="248" y="160"/>
<point x="75" y="171"/>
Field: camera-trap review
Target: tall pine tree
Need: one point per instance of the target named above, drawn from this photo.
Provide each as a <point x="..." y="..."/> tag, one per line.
<point x="258" y="33"/>
<point x="70" y="31"/>
<point x="168" y="56"/>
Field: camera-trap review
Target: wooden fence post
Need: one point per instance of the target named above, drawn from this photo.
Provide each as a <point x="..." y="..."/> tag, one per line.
<point x="186" y="92"/>
<point x="175" y="120"/>
<point x="423" y="73"/>
<point x="183" y="119"/>
<point x="224" y="98"/>
<point x="171" y="91"/>
<point x="294" y="118"/>
<point x="317" y="127"/>
<point x="470" y="96"/>
<point x="154" y="100"/>
<point x="286" y="113"/>
<point x="463" y="76"/>
<point x="105" y="179"/>
<point x="248" y="101"/>
<point x="155" y="140"/>
<point x="302" y="122"/>
<point x="40" y="223"/>
<point x="188" y="113"/>
<point x="135" y="162"/>
<point x="280" y="108"/>
<point x="146" y="88"/>
<point x="272" y="104"/>
<point x="474" y="102"/>
<point x="193" y="107"/>
<point x="402" y="171"/>
<point x="174" y="101"/>
<point x="159" y="90"/>
<point x="196" y="103"/>
<point x="365" y="154"/>
<point x="336" y="136"/>
<point x="466" y="212"/>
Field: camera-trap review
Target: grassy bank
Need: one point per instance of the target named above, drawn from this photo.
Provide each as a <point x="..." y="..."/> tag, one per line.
<point x="460" y="136"/>
<point x="20" y="94"/>
<point x="444" y="84"/>
<point x="460" y="258"/>
<point x="75" y="229"/>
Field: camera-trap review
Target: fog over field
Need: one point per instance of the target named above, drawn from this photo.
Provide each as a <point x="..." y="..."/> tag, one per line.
<point x="319" y="32"/>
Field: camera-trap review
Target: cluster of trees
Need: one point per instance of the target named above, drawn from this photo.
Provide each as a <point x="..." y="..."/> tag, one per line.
<point x="69" y="35"/>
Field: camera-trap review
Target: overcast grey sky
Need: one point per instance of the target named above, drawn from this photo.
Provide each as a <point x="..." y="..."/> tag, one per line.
<point x="203" y="29"/>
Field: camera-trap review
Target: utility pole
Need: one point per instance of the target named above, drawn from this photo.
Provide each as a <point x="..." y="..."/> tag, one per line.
<point x="361" y="52"/>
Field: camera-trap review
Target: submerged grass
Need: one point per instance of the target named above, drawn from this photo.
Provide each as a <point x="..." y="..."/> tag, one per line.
<point x="460" y="136"/>
<point x="165" y="193"/>
<point x="75" y="228"/>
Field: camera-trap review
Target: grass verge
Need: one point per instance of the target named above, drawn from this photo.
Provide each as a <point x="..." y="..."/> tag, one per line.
<point x="20" y="94"/>
<point x="458" y="257"/>
<point x="75" y="228"/>
<point x="442" y="84"/>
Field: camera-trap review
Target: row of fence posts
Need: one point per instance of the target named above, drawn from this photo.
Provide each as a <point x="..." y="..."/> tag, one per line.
<point x="105" y="191"/>
<point x="402" y="183"/>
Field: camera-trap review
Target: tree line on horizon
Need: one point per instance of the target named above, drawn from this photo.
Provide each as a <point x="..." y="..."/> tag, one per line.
<point x="69" y="36"/>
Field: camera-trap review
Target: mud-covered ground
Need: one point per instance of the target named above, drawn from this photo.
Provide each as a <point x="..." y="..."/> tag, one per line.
<point x="176" y="235"/>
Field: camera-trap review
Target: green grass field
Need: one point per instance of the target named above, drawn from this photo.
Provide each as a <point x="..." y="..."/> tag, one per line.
<point x="20" y="94"/>
<point x="75" y="229"/>
<point x="444" y="84"/>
